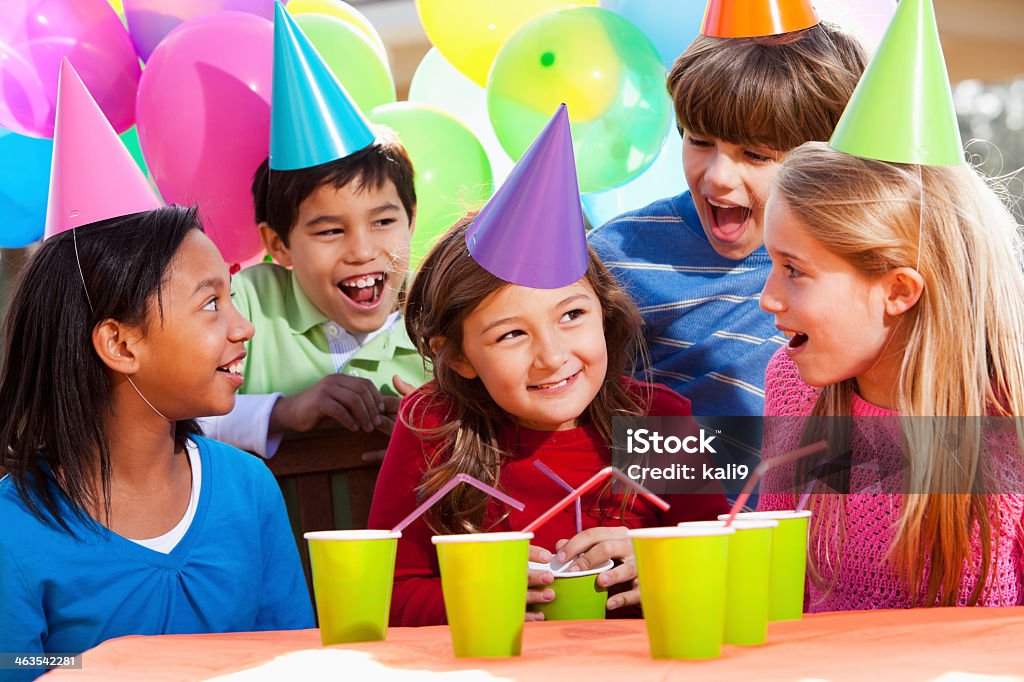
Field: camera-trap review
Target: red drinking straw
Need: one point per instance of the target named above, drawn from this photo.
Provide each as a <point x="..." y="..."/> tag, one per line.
<point x="455" y="480"/>
<point x="587" y="485"/>
<point x="764" y="466"/>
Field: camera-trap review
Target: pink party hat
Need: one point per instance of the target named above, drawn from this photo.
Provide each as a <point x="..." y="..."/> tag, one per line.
<point x="93" y="176"/>
<point x="531" y="232"/>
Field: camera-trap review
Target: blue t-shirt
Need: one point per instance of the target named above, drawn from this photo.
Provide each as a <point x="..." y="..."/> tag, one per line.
<point x="236" y="569"/>
<point x="708" y="338"/>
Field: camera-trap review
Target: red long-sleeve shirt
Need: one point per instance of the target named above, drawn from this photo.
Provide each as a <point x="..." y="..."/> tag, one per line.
<point x="575" y="455"/>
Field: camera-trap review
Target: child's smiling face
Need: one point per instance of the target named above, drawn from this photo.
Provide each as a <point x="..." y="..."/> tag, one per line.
<point x="190" y="362"/>
<point x="840" y="321"/>
<point x="349" y="249"/>
<point x="540" y="353"/>
<point x="729" y="184"/>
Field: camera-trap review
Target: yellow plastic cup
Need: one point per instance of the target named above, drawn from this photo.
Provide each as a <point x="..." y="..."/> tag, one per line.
<point x="577" y="595"/>
<point x="789" y="561"/>
<point x="747" y="579"/>
<point x="682" y="572"/>
<point x="484" y="578"/>
<point x="353" y="572"/>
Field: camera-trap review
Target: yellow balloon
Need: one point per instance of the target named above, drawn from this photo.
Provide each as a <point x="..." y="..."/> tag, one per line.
<point x="340" y="10"/>
<point x="117" y="5"/>
<point x="468" y="33"/>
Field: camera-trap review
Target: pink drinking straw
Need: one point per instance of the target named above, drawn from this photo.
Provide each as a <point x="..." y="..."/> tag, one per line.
<point x="587" y="485"/>
<point x="764" y="466"/>
<point x="457" y="479"/>
<point x="805" y="496"/>
<point x="558" y="479"/>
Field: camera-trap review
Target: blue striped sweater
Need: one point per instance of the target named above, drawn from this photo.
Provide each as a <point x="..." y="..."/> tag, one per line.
<point x="707" y="337"/>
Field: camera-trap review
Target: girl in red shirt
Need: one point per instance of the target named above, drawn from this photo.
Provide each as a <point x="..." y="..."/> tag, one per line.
<point x="522" y="375"/>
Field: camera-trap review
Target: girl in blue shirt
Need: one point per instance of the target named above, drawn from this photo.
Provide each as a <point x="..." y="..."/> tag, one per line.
<point x="119" y="519"/>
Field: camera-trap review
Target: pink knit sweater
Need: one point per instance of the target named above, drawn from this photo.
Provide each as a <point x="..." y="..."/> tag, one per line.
<point x="862" y="579"/>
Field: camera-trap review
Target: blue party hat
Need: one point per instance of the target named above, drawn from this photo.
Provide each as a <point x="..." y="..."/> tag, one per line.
<point x="312" y="119"/>
<point x="531" y="232"/>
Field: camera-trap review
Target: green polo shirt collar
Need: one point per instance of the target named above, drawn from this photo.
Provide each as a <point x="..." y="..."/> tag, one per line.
<point x="302" y="314"/>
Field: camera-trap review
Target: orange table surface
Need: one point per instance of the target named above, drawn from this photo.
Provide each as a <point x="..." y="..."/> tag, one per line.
<point x="975" y="644"/>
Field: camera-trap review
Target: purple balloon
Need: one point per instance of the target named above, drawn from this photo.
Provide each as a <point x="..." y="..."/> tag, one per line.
<point x="204" y="121"/>
<point x="36" y="34"/>
<point x="150" y="20"/>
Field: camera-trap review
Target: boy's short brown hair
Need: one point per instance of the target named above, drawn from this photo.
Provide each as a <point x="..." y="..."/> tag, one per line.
<point x="773" y="91"/>
<point x="277" y="195"/>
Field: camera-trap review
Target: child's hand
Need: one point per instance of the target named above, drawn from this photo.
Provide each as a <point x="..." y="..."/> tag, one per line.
<point x="403" y="387"/>
<point x="537" y="579"/>
<point x="390" y="416"/>
<point x="597" y="546"/>
<point x="353" y="402"/>
<point x="391" y="405"/>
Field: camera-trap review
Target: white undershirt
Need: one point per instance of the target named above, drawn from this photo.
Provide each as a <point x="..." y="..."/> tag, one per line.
<point x="169" y="540"/>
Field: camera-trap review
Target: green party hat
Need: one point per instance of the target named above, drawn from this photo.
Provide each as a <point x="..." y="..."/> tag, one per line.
<point x="902" y="110"/>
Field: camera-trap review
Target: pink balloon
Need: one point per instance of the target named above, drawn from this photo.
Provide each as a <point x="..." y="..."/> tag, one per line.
<point x="36" y="34"/>
<point x="204" y="121"/>
<point x="150" y="20"/>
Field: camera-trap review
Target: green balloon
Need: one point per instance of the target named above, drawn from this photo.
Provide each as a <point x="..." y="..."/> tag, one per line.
<point x="453" y="174"/>
<point x="352" y="57"/>
<point x="609" y="75"/>
<point x="130" y="138"/>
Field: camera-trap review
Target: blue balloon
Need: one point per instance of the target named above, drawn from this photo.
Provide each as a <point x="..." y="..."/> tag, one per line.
<point x="665" y="178"/>
<point x="670" y="24"/>
<point x="24" y="185"/>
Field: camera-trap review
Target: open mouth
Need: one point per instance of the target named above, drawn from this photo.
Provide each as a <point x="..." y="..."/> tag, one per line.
<point x="235" y="367"/>
<point x="796" y="339"/>
<point x="555" y="385"/>
<point x="728" y="220"/>
<point x="364" y="290"/>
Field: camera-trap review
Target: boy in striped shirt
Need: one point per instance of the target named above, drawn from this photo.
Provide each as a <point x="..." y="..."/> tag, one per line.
<point x="695" y="263"/>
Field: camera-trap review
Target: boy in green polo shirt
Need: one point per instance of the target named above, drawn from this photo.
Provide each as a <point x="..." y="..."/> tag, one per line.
<point x="336" y="206"/>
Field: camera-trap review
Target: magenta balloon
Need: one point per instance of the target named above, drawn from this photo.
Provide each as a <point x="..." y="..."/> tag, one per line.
<point x="36" y="34"/>
<point x="204" y="121"/>
<point x="150" y="20"/>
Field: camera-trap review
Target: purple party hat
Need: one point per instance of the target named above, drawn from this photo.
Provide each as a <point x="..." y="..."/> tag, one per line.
<point x="531" y="232"/>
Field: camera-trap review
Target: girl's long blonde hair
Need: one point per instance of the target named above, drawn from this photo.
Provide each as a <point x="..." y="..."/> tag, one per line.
<point x="448" y="286"/>
<point x="963" y="340"/>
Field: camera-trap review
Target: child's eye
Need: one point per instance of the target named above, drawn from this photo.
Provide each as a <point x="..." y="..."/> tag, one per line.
<point x="511" y="335"/>
<point x="791" y="271"/>
<point x="211" y="305"/>
<point x="759" y="158"/>
<point x="572" y="315"/>
<point x="697" y="142"/>
<point x="384" y="222"/>
<point x="331" y="232"/>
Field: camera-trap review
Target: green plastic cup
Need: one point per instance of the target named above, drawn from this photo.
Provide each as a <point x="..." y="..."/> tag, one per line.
<point x="747" y="579"/>
<point x="353" y="572"/>
<point x="577" y="595"/>
<point x="483" y="578"/>
<point x="682" y="572"/>
<point x="789" y="561"/>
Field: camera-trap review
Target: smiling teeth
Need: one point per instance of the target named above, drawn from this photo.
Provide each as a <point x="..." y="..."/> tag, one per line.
<point x="236" y="368"/>
<point x="563" y="382"/>
<point x="363" y="282"/>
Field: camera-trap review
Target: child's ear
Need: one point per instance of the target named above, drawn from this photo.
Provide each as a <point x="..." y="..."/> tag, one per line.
<point x="115" y="344"/>
<point x="274" y="245"/>
<point x="904" y="287"/>
<point x="457" y="363"/>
